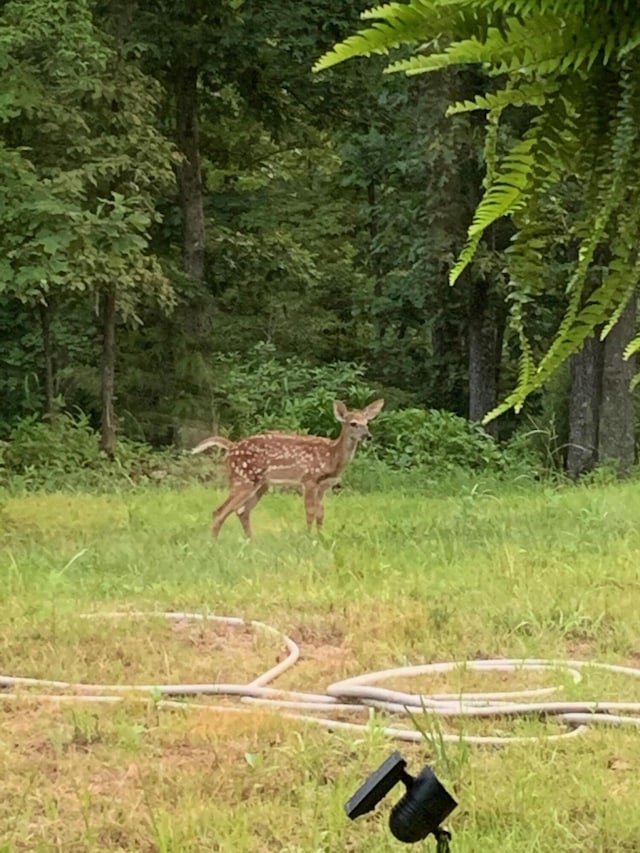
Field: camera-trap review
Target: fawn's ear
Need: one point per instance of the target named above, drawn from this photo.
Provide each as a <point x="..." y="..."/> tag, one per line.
<point x="373" y="409"/>
<point x="340" y="411"/>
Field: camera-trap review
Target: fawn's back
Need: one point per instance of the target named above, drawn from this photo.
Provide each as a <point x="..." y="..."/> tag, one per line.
<point x="282" y="458"/>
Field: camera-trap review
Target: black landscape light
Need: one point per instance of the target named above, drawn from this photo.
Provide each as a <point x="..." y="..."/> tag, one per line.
<point x="425" y="804"/>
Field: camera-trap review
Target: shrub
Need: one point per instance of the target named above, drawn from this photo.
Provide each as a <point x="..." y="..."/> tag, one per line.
<point x="63" y="453"/>
<point x="411" y="448"/>
<point x="260" y="391"/>
<point x="440" y="441"/>
<point x="63" y="443"/>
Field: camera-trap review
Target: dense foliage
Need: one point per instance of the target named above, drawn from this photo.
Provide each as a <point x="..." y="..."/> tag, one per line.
<point x="200" y="233"/>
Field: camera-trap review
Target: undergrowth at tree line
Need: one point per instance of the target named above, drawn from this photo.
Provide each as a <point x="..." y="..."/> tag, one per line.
<point x="262" y="393"/>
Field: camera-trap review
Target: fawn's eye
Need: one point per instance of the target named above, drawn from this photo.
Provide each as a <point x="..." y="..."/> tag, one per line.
<point x="353" y="423"/>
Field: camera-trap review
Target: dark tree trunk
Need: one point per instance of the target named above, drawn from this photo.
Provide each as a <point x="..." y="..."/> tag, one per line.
<point x="486" y="311"/>
<point x="377" y="312"/>
<point x="48" y="353"/>
<point x="373" y="233"/>
<point x="448" y="387"/>
<point x="601" y="410"/>
<point x="108" y="425"/>
<point x="189" y="173"/>
<point x="485" y="332"/>
<point x="616" y="432"/>
<point x="584" y="404"/>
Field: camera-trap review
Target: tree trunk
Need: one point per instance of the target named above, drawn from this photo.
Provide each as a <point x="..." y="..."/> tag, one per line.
<point x="486" y="311"/>
<point x="373" y="233"/>
<point x="616" y="432"/>
<point x="601" y="410"/>
<point x="448" y="383"/>
<point x="377" y="313"/>
<point x="485" y="332"/>
<point x="108" y="316"/>
<point x="47" y="350"/>
<point x="584" y="404"/>
<point x="189" y="172"/>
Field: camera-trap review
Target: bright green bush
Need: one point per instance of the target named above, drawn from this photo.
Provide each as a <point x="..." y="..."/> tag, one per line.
<point x="261" y="391"/>
<point x="62" y="443"/>
<point x="433" y="439"/>
<point x="63" y="454"/>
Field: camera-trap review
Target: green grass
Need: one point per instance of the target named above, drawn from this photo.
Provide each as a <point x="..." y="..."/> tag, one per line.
<point x="396" y="579"/>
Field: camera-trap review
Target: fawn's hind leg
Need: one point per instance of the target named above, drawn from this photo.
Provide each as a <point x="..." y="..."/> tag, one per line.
<point x="244" y="512"/>
<point x="240" y="494"/>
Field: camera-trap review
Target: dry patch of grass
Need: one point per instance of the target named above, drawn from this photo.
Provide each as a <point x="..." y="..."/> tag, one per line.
<point x="135" y="650"/>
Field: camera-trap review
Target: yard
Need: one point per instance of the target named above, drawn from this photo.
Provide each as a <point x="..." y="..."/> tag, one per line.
<point x="397" y="579"/>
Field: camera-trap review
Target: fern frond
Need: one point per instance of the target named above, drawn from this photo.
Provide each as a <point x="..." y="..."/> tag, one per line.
<point x="502" y="198"/>
<point x="542" y="45"/>
<point x="617" y="312"/>
<point x="526" y="362"/>
<point x="506" y="37"/>
<point x="604" y="306"/>
<point x="398" y="24"/>
<point x="608" y="300"/>
<point x="526" y="368"/>
<point x="499" y="54"/>
<point x="631" y="349"/>
<point x="528" y="94"/>
<point x="530" y="164"/>
<point x="610" y="297"/>
<point x="528" y="252"/>
<point x="625" y="260"/>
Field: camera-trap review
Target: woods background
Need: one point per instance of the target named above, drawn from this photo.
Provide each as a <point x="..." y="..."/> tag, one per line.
<point x="198" y="233"/>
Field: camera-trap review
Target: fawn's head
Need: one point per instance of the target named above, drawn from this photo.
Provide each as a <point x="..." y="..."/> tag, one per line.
<point x="357" y="423"/>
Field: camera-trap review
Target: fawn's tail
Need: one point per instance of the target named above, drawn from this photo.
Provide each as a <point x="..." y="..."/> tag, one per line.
<point x="213" y="441"/>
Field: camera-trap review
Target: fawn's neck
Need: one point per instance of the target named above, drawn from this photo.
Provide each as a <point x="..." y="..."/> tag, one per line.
<point x="344" y="448"/>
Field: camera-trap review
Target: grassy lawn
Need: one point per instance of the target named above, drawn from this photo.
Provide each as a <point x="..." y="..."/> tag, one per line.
<point x="397" y="579"/>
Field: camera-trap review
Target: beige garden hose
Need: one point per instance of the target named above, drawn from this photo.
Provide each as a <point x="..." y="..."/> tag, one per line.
<point x="358" y="695"/>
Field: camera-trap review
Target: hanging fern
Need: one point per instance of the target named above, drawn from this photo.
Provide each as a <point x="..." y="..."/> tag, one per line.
<point x="575" y="64"/>
<point x="530" y="166"/>
<point x="398" y="24"/>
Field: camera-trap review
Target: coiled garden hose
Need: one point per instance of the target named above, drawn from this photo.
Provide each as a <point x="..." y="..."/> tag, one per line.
<point x="357" y="695"/>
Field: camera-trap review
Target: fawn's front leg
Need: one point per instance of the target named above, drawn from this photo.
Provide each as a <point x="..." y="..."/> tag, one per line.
<point x="311" y="492"/>
<point x="320" y="506"/>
